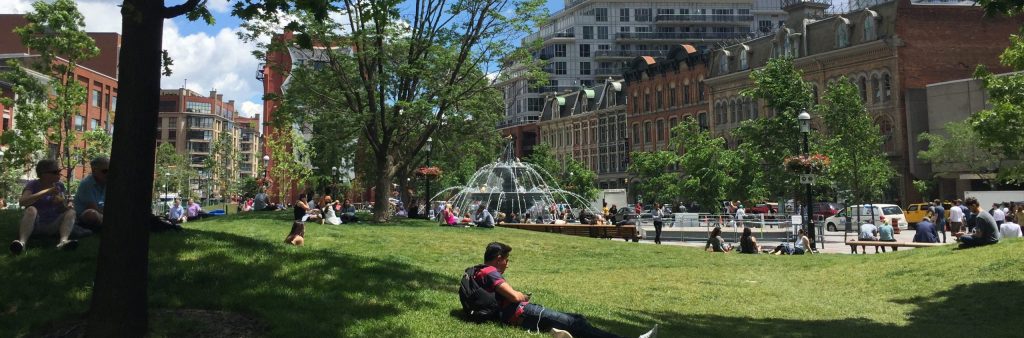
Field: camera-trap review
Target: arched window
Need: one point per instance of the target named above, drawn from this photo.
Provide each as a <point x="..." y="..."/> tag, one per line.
<point x="886" y="88"/>
<point x="870" y="30"/>
<point x="876" y="88"/>
<point x="743" y="59"/>
<point x="733" y="112"/>
<point x="754" y="108"/>
<point x="723" y="62"/>
<point x="862" y="87"/>
<point x="842" y="32"/>
<point x="885" y="128"/>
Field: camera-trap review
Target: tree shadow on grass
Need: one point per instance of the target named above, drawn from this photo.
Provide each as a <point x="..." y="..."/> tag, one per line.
<point x="296" y="290"/>
<point x="966" y="310"/>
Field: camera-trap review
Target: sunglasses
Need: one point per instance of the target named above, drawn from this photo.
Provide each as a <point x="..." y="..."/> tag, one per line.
<point x="55" y="172"/>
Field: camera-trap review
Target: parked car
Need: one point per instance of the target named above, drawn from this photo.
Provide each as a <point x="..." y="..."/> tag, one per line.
<point x="866" y="213"/>
<point x="917" y="211"/>
<point x="764" y="208"/>
<point x="825" y="209"/>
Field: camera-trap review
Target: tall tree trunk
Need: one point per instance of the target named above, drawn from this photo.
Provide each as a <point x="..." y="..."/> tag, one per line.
<point x="385" y="174"/>
<point x="119" y="300"/>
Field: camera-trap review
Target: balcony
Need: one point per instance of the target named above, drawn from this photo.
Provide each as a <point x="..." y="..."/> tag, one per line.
<point x="678" y="36"/>
<point x="608" y="72"/>
<point x="689" y="19"/>
<point x="625" y="54"/>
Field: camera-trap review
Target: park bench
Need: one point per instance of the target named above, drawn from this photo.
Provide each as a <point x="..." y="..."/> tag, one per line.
<point x="627" y="232"/>
<point x="855" y="243"/>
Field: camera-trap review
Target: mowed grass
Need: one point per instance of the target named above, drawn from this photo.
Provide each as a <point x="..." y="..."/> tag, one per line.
<point x="401" y="279"/>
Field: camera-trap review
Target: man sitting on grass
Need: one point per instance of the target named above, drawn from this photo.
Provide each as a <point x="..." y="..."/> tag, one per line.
<point x="91" y="192"/>
<point x="985" y="231"/>
<point x="47" y="212"/>
<point x="514" y="307"/>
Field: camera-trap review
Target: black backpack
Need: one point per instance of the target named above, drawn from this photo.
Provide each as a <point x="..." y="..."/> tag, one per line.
<point x="478" y="304"/>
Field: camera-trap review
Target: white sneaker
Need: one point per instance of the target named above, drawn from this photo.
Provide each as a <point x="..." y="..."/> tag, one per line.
<point x="557" y="333"/>
<point x="652" y="333"/>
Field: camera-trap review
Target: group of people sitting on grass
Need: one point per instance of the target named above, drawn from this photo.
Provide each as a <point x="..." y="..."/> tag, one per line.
<point x="983" y="227"/>
<point x="481" y="218"/>
<point x="326" y="211"/>
<point x="48" y="211"/>
<point x="749" y="245"/>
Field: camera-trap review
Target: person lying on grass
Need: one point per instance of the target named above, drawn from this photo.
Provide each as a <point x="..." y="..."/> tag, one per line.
<point x="514" y="307"/>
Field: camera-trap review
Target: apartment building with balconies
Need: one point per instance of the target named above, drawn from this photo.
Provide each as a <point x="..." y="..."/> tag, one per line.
<point x="193" y="123"/>
<point x="590" y="41"/>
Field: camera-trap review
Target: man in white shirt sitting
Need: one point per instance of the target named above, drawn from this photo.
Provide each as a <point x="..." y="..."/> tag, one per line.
<point x="1010" y="229"/>
<point x="868" y="232"/>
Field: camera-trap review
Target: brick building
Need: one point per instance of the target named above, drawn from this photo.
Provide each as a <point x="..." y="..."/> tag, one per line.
<point x="193" y="123"/>
<point x="98" y="75"/>
<point x="589" y="125"/>
<point x="886" y="48"/>
<point x="248" y="146"/>
<point x="664" y="91"/>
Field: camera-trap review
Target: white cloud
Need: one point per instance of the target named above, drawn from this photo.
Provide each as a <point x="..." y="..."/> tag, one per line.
<point x="250" y="109"/>
<point x="222" y="6"/>
<point x="220" y="62"/>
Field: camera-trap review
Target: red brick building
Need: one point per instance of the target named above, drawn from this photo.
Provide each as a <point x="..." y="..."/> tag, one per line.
<point x="662" y="92"/>
<point x="889" y="49"/>
<point x="98" y="75"/>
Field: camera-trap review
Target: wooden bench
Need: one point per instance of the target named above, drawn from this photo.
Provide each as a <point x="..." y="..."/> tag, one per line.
<point x="854" y="243"/>
<point x="627" y="232"/>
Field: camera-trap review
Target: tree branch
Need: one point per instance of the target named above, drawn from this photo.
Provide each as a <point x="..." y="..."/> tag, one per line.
<point x="174" y="11"/>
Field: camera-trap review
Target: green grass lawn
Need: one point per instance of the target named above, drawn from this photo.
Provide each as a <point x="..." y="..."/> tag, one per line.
<point x="400" y="280"/>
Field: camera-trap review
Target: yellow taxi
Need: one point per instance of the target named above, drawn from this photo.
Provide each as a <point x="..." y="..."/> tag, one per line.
<point x="916" y="212"/>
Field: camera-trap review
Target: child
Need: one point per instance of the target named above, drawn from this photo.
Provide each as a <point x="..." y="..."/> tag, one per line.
<point x="295" y="236"/>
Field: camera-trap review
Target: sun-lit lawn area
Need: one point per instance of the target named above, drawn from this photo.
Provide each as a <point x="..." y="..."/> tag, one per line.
<point x="400" y="280"/>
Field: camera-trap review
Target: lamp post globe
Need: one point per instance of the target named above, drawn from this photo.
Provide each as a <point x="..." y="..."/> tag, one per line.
<point x="805" y="121"/>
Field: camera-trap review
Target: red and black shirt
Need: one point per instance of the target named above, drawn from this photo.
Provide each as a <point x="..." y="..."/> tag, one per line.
<point x="489" y="278"/>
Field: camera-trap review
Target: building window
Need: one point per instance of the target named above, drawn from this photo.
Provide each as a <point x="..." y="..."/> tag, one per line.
<point x="862" y="88"/>
<point x="584" y="68"/>
<point x="764" y="26"/>
<point x="647" y="102"/>
<point x="623" y="14"/>
<point x="642" y="14"/>
<point x="200" y="122"/>
<point x="672" y="97"/>
<point x="876" y="89"/>
<point x="700" y="91"/>
<point x="534" y="104"/>
<point x="661" y="131"/>
<point x="702" y="120"/>
<point x="97" y="99"/>
<point x="560" y="68"/>
<point x="584" y="50"/>
<point x="753" y="109"/>
<point x="602" y="32"/>
<point x="666" y="11"/>
<point x="659" y="100"/>
<point x="870" y="30"/>
<point x="723" y="63"/>
<point x="198" y="107"/>
<point x="168" y="105"/>
<point x="886" y="88"/>
<point x="647" y="132"/>
<point x="636" y="132"/>
<point x="79" y="123"/>
<point x="199" y="147"/>
<point x="743" y="59"/>
<point x="94" y="124"/>
<point x="205" y="135"/>
<point x="113" y="103"/>
<point x="588" y="32"/>
<point x="886" y="128"/>
<point x="787" y="47"/>
<point x="814" y="91"/>
<point x="686" y="94"/>
<point x="601" y="14"/>
<point x="842" y="35"/>
<point x="172" y="136"/>
<point x="560" y="50"/>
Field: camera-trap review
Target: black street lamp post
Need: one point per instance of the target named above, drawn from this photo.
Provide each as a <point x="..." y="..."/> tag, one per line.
<point x="805" y="128"/>
<point x="427" y="177"/>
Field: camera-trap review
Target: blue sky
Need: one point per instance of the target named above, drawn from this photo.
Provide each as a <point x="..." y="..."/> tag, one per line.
<point x="206" y="57"/>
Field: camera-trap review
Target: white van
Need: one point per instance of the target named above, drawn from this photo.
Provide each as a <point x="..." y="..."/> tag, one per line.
<point x="866" y="213"/>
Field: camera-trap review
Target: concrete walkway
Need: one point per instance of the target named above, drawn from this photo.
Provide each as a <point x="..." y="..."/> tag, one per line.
<point x="834" y="241"/>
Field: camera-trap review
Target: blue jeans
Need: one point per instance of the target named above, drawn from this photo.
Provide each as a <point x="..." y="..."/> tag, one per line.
<point x="968" y="241"/>
<point x="536" y="317"/>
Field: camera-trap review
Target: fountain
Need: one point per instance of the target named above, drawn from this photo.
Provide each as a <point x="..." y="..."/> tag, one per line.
<point x="511" y="186"/>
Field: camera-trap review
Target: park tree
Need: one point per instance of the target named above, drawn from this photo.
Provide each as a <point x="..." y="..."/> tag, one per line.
<point x="776" y="137"/>
<point x="173" y="171"/>
<point x="706" y="164"/>
<point x="56" y="32"/>
<point x="570" y="175"/>
<point x="398" y="76"/>
<point x="959" y="149"/>
<point x="220" y="163"/>
<point x="656" y="181"/>
<point x="853" y="142"/>
<point x="27" y="144"/>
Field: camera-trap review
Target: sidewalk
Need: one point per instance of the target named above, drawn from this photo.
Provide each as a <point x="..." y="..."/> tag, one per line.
<point x="834" y="242"/>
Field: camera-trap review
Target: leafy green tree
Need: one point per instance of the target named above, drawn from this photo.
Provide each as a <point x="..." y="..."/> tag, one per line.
<point x="999" y="128"/>
<point x="854" y="144"/>
<point x="287" y="170"/>
<point x="57" y="30"/>
<point x="573" y="176"/>
<point x="923" y="187"/>
<point x="173" y="170"/>
<point x="656" y="181"/>
<point x="402" y="77"/>
<point x="959" y="150"/>
<point x="27" y="144"/>
<point x="706" y="164"/>
<point x="747" y="171"/>
<point x="784" y="91"/>
<point x="219" y="165"/>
